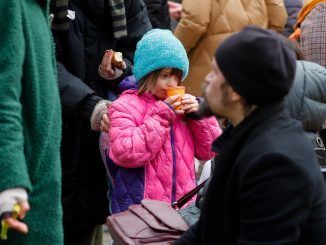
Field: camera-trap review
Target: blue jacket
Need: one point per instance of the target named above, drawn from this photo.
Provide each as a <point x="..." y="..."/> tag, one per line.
<point x="292" y="8"/>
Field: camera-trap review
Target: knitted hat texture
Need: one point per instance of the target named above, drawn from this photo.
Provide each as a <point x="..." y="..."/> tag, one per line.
<point x="159" y="49"/>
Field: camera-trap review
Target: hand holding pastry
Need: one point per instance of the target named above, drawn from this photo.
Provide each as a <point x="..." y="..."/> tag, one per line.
<point x="112" y="65"/>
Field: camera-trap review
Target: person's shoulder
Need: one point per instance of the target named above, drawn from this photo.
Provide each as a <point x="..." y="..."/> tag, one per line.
<point x="13" y="8"/>
<point x="310" y="73"/>
<point x="286" y="140"/>
<point x="127" y="99"/>
<point x="282" y="137"/>
<point x="308" y="66"/>
<point x="316" y="15"/>
<point x="126" y="96"/>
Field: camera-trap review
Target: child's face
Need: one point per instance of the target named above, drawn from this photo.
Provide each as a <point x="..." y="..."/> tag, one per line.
<point x="165" y="79"/>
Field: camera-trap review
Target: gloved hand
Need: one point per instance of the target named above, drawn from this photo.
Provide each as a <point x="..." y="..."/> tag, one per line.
<point x="100" y="112"/>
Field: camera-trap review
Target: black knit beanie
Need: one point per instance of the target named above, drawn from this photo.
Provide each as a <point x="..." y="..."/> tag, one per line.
<point x="258" y="64"/>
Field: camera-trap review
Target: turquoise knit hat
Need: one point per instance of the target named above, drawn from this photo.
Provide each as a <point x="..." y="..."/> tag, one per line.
<point x="159" y="49"/>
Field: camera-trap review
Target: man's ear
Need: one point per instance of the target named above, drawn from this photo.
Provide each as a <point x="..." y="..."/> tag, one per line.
<point x="233" y="95"/>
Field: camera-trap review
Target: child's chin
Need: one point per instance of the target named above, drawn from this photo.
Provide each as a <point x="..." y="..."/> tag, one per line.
<point x="162" y="97"/>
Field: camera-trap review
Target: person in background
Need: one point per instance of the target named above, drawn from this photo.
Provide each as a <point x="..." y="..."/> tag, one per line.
<point x="307" y="101"/>
<point x="152" y="143"/>
<point x="267" y="187"/>
<point x="293" y="7"/>
<point x="310" y="31"/>
<point x="158" y="13"/>
<point x="313" y="34"/>
<point x="30" y="126"/>
<point x="175" y="9"/>
<point x="87" y="33"/>
<point x="205" y="24"/>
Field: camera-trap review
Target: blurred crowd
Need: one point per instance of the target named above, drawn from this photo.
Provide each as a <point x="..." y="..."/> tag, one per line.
<point x="87" y="127"/>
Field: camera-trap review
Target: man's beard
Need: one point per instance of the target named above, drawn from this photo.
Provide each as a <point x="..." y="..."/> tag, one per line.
<point x="204" y="109"/>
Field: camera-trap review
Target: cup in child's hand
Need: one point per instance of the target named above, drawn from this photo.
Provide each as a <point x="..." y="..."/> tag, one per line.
<point x="174" y="91"/>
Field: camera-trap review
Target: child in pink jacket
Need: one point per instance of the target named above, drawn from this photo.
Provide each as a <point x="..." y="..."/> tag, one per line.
<point x="152" y="145"/>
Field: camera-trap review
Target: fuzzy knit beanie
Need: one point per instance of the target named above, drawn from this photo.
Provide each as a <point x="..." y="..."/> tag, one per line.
<point x="159" y="49"/>
<point x="258" y="64"/>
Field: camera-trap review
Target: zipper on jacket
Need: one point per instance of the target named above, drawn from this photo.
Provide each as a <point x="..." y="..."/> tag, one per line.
<point x="173" y="166"/>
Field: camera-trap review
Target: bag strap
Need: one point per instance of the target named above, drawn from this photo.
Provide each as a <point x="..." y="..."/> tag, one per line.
<point x="183" y="200"/>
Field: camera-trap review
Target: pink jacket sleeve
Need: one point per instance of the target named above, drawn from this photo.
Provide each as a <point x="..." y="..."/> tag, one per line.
<point x="205" y="131"/>
<point x="133" y="145"/>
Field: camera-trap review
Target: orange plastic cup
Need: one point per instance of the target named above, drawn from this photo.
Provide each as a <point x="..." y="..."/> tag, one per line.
<point x="174" y="91"/>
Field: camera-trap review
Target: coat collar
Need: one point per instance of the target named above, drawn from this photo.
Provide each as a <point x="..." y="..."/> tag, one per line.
<point x="262" y="115"/>
<point x="146" y="96"/>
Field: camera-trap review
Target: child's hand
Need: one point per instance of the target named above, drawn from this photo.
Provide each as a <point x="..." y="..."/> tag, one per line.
<point x="174" y="102"/>
<point x="189" y="103"/>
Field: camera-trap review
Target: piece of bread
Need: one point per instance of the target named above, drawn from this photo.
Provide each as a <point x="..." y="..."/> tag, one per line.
<point x="117" y="60"/>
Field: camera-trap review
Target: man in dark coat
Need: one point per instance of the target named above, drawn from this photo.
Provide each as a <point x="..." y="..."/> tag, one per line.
<point x="85" y="33"/>
<point x="266" y="187"/>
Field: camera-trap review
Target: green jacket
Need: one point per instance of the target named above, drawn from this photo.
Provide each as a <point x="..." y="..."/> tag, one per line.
<point x="30" y="118"/>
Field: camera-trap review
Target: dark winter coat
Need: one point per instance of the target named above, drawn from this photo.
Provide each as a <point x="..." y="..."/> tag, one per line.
<point x="158" y="13"/>
<point x="266" y="188"/>
<point x="79" y="53"/>
<point x="293" y="7"/>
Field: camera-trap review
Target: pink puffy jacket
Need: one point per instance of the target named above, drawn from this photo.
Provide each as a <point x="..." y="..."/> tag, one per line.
<point x="146" y="132"/>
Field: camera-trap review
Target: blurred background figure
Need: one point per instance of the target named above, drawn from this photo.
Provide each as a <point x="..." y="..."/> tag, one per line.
<point x="175" y="9"/>
<point x="306" y="102"/>
<point x="158" y="13"/>
<point x="310" y="32"/>
<point x="293" y="7"/>
<point x="312" y="21"/>
<point x="205" y="24"/>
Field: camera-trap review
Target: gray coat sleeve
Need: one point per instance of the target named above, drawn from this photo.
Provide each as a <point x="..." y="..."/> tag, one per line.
<point x="306" y="101"/>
